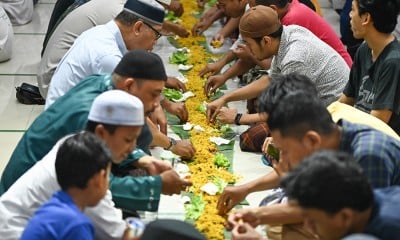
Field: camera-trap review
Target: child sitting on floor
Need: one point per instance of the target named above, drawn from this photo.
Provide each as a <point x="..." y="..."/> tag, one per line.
<point x="82" y="165"/>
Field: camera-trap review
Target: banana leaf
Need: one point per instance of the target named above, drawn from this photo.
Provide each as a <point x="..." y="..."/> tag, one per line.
<point x="229" y="134"/>
<point x="225" y="147"/>
<point x="223" y="87"/>
<point x="205" y="46"/>
<point x="217" y="95"/>
<point x="173" y="41"/>
<point x="178" y="130"/>
<point x="172" y="119"/>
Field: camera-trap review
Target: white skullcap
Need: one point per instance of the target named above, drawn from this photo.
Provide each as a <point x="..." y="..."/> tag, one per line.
<point x="117" y="107"/>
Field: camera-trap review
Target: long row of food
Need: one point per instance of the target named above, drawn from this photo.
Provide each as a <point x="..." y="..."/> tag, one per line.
<point x="210" y="165"/>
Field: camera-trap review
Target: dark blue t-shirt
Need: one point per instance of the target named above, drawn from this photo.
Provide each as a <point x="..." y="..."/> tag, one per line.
<point x="385" y="217"/>
<point x="59" y="218"/>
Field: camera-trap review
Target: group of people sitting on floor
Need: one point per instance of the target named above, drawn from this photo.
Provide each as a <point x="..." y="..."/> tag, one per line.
<point x="362" y="90"/>
<point x="334" y="120"/>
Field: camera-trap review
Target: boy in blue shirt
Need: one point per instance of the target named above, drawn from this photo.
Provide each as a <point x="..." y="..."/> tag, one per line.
<point x="82" y="165"/>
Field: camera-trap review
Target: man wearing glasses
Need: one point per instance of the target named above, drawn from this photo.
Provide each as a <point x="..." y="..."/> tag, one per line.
<point x="156" y="32"/>
<point x="99" y="49"/>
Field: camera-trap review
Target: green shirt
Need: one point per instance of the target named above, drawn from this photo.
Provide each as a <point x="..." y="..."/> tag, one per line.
<point x="69" y="115"/>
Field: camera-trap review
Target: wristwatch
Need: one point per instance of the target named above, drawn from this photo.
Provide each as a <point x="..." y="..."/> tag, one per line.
<point x="237" y="118"/>
<point x="172" y="142"/>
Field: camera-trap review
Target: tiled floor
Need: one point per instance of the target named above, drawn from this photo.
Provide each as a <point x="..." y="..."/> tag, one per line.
<point x="15" y="117"/>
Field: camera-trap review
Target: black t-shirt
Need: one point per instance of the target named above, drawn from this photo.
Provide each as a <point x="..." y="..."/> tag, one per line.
<point x="376" y="85"/>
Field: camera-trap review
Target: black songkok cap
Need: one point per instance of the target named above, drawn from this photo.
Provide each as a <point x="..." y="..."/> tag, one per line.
<point x="148" y="10"/>
<point x="141" y="64"/>
<point x="171" y="229"/>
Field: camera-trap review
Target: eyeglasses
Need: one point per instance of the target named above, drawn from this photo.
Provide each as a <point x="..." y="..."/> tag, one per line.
<point x="158" y="34"/>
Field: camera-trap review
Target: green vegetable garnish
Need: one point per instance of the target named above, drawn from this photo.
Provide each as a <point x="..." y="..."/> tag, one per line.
<point x="195" y="209"/>
<point x="221" y="161"/>
<point x="218" y="93"/>
<point x="171" y="17"/>
<point x="202" y="108"/>
<point x="211" y="3"/>
<point x="179" y="57"/>
<point x="225" y="128"/>
<point x="172" y="94"/>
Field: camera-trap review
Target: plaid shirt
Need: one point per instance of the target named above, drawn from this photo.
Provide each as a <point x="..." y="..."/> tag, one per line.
<point x="377" y="153"/>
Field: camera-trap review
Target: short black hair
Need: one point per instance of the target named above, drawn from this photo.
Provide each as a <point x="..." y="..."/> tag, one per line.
<point x="280" y="86"/>
<point x="299" y="112"/>
<point x="329" y="181"/>
<point x="383" y="13"/>
<point x="79" y="158"/>
<point x="91" y="126"/>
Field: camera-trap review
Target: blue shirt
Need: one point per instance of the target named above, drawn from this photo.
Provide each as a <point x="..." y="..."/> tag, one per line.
<point x="97" y="50"/>
<point x="384" y="222"/>
<point x="59" y="218"/>
<point x="377" y="153"/>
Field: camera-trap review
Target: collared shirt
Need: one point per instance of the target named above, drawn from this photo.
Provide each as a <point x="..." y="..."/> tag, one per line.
<point x="59" y="218"/>
<point x="384" y="221"/>
<point x="64" y="35"/>
<point x="97" y="50"/>
<point x="302" y="52"/>
<point x="377" y="153"/>
<point x="69" y="115"/>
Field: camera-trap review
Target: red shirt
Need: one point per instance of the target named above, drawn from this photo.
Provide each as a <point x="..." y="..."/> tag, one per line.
<point x="300" y="14"/>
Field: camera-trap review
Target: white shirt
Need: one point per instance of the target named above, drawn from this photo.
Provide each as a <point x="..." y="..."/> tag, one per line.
<point x="97" y="50"/>
<point x="36" y="187"/>
<point x="86" y="16"/>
